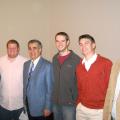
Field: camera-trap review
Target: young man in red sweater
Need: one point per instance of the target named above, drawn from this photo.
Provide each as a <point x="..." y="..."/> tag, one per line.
<point x="92" y="77"/>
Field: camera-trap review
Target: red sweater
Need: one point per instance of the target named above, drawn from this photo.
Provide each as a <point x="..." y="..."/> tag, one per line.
<point x="92" y="84"/>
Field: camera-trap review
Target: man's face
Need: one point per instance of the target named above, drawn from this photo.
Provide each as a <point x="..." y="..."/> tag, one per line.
<point x="61" y="43"/>
<point x="12" y="50"/>
<point x="87" y="47"/>
<point x="34" y="50"/>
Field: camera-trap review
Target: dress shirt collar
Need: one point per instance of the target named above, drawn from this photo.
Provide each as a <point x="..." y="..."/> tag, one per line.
<point x="89" y="62"/>
<point x="12" y="59"/>
<point x="35" y="62"/>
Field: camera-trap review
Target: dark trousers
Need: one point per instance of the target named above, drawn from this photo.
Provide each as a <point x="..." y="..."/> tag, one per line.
<point x="9" y="115"/>
<point x="112" y="118"/>
<point x="50" y="117"/>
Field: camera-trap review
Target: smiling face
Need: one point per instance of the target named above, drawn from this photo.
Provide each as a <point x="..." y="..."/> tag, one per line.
<point x="34" y="50"/>
<point x="87" y="47"/>
<point x="61" y="43"/>
<point x="12" y="50"/>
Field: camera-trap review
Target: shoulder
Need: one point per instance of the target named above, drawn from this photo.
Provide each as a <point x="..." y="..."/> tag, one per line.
<point x="27" y="62"/>
<point x="45" y="61"/>
<point x="75" y="57"/>
<point x="46" y="64"/>
<point x="116" y="65"/>
<point x="22" y="58"/>
<point x="117" y="62"/>
<point x="104" y="60"/>
<point x="79" y="64"/>
<point x="3" y="59"/>
<point x="55" y="56"/>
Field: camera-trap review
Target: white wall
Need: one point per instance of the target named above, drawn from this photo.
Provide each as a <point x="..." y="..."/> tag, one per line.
<point x="42" y="19"/>
<point x="24" y="20"/>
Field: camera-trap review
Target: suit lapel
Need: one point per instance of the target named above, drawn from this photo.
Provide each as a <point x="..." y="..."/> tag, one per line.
<point x="38" y="66"/>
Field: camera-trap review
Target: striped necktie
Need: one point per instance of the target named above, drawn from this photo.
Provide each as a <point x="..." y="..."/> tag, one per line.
<point x="31" y="69"/>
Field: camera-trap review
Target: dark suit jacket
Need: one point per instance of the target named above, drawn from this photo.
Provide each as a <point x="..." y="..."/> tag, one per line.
<point x="40" y="87"/>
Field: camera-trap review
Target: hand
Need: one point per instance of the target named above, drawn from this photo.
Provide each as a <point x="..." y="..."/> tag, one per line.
<point x="46" y="112"/>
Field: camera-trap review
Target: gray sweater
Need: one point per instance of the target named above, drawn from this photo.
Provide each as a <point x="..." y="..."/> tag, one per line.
<point x="65" y="84"/>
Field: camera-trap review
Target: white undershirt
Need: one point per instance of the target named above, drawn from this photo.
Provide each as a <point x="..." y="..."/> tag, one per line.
<point x="34" y="62"/>
<point x="89" y="62"/>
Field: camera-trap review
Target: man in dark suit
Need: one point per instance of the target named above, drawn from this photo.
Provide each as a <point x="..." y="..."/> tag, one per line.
<point x="38" y="82"/>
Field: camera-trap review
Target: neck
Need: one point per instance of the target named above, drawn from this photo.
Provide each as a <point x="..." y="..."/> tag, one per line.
<point x="87" y="57"/>
<point x="33" y="59"/>
<point x="63" y="53"/>
<point x="11" y="58"/>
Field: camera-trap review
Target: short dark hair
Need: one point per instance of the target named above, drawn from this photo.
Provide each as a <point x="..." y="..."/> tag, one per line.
<point x="87" y="36"/>
<point x="35" y="41"/>
<point x="12" y="41"/>
<point x="63" y="34"/>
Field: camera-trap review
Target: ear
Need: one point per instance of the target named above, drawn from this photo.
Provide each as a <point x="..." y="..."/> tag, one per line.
<point x="18" y="49"/>
<point x="93" y="45"/>
<point x="40" y="50"/>
<point x="68" y="42"/>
